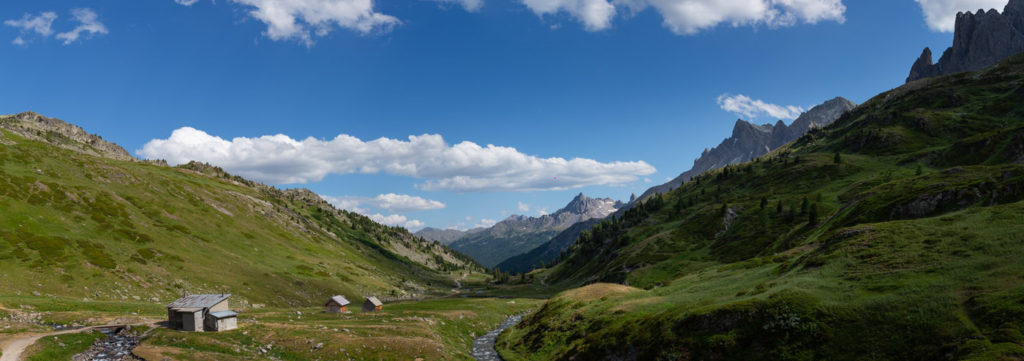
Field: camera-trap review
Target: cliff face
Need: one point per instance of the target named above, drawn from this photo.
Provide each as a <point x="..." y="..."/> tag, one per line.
<point x="749" y="141"/>
<point x="980" y="40"/>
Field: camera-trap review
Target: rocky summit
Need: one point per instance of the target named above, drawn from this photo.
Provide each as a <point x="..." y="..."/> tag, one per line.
<point x="749" y="141"/>
<point x="980" y="40"/>
<point x="518" y="234"/>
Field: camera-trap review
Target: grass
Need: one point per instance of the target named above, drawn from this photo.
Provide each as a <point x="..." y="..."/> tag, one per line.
<point x="84" y="227"/>
<point x="61" y="347"/>
<point x="912" y="255"/>
<point x="432" y="329"/>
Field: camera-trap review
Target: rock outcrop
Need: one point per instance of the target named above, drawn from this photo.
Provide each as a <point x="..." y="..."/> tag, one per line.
<point x="62" y="134"/>
<point x="749" y="141"/>
<point x="980" y="40"/>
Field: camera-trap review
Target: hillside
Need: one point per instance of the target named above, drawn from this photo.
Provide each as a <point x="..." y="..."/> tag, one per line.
<point x="519" y="234"/>
<point x="444" y="236"/>
<point x="84" y="222"/>
<point x="548" y="251"/>
<point x="893" y="233"/>
<point x="749" y="141"/>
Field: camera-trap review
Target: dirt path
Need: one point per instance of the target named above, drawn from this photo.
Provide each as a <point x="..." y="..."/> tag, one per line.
<point x="13" y="348"/>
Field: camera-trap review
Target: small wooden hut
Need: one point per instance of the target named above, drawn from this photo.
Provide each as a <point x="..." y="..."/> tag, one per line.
<point x="372" y="304"/>
<point x="336" y="304"/>
<point x="202" y="313"/>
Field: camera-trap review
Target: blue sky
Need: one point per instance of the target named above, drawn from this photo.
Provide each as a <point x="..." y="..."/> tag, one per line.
<point x="630" y="87"/>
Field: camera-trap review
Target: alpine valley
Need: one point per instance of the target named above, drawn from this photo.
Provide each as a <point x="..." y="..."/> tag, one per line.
<point x="887" y="230"/>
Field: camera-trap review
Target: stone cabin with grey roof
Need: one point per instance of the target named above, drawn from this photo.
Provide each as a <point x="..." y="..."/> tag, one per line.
<point x="372" y="304"/>
<point x="336" y="304"/>
<point x="202" y="313"/>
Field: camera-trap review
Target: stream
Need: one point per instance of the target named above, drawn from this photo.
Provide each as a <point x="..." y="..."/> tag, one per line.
<point x="483" y="346"/>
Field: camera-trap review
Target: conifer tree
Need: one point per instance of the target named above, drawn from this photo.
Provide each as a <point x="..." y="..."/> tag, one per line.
<point x="764" y="202"/>
<point x="837" y="158"/>
<point x="812" y="216"/>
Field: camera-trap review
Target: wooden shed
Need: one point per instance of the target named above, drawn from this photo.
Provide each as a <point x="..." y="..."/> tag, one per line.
<point x="336" y="304"/>
<point x="372" y="304"/>
<point x="201" y="313"/>
<point x="221" y="321"/>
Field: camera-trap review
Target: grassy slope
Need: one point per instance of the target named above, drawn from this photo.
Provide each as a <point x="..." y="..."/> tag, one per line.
<point x="84" y="227"/>
<point x="913" y="255"/>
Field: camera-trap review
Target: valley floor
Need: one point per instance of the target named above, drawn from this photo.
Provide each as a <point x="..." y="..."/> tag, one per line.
<point x="436" y="329"/>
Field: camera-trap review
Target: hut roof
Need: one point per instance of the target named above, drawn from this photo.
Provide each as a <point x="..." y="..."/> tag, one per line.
<point x="374" y="301"/>
<point x="199" y="301"/>
<point x="223" y="314"/>
<point x="340" y="300"/>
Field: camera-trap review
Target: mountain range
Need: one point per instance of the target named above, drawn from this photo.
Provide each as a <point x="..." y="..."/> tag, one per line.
<point x="980" y="40"/>
<point x="518" y="233"/>
<point x="891" y="234"/>
<point x="749" y="141"/>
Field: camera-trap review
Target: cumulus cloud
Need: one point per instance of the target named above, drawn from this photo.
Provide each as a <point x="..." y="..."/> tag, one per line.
<point x="462" y="167"/>
<point x="485" y="223"/>
<point x="88" y="22"/>
<point x="522" y="207"/>
<point x="594" y="14"/>
<point x="186" y="2"/>
<point x="396" y="220"/>
<point x="41" y="24"/>
<point x="751" y="108"/>
<point x="940" y="15"/>
<point x="469" y="5"/>
<point x="692" y="16"/>
<point x="302" y="19"/>
<point x="399" y="203"/>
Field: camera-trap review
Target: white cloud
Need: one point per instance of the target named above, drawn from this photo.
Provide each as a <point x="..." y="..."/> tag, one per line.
<point x="41" y="24"/>
<point x="485" y="223"/>
<point x="302" y="19"/>
<point x="522" y="207"/>
<point x="542" y="212"/>
<point x="462" y="167"/>
<point x="594" y="14"/>
<point x="405" y="203"/>
<point x="692" y="16"/>
<point x="469" y="5"/>
<point x="744" y="105"/>
<point x="186" y="2"/>
<point x="399" y="203"/>
<point x="350" y="204"/>
<point x="940" y="15"/>
<point x="396" y="220"/>
<point x="88" y="21"/>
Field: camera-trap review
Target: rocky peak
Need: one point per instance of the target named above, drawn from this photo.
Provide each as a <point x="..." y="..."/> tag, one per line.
<point x="57" y="132"/>
<point x="980" y="39"/>
<point x="749" y="141"/>
<point x="586" y="206"/>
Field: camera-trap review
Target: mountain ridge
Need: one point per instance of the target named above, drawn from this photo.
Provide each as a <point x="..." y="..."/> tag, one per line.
<point x="749" y="141"/>
<point x="980" y="39"/>
<point x="519" y="233"/>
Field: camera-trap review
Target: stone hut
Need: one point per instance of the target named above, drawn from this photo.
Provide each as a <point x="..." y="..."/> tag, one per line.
<point x="336" y="304"/>
<point x="372" y="304"/>
<point x="202" y="313"/>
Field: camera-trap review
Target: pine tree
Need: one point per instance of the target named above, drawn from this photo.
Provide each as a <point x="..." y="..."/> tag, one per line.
<point x="812" y="217"/>
<point x="764" y="202"/>
<point x="725" y="208"/>
<point x="803" y="206"/>
<point x="919" y="170"/>
<point x="837" y="158"/>
<point x="778" y="207"/>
